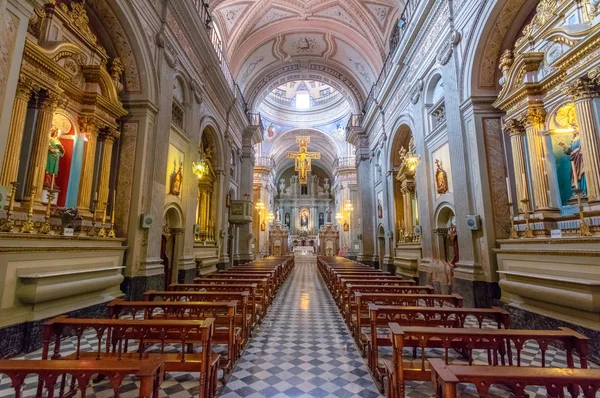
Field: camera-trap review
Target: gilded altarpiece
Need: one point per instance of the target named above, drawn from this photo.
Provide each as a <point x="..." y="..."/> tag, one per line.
<point x="59" y="155"/>
<point x="551" y="263"/>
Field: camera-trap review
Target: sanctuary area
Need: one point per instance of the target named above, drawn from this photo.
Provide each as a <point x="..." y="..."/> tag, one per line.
<point x="299" y="198"/>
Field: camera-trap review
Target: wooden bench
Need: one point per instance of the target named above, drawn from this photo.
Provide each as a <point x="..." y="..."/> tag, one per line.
<point x="340" y="288"/>
<point x="360" y="315"/>
<point x="497" y="342"/>
<point x="223" y="313"/>
<point x="243" y="319"/>
<point x="446" y="317"/>
<point x="252" y="288"/>
<point x="348" y="303"/>
<point x="264" y="295"/>
<point x="246" y="276"/>
<point x="147" y="333"/>
<point x="445" y="378"/>
<point x="150" y="372"/>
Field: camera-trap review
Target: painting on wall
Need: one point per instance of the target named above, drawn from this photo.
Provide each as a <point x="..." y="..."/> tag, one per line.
<point x="442" y="175"/>
<point x="568" y="159"/>
<point x="174" y="178"/>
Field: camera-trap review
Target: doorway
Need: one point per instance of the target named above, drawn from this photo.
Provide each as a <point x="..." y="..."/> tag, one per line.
<point x="381" y="245"/>
<point x="171" y="245"/>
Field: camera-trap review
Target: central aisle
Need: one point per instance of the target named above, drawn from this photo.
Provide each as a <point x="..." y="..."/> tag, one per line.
<point x="303" y="348"/>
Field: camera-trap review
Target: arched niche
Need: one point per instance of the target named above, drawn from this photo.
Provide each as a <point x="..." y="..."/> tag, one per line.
<point x="381" y="244"/>
<point x="404" y="195"/>
<point x="171" y="242"/>
<point x="445" y="233"/>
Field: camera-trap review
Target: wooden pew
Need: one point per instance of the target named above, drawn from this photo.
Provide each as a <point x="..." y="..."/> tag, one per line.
<point x="446" y="317"/>
<point x="264" y="295"/>
<point x="348" y="304"/>
<point x="445" y="378"/>
<point x="340" y="288"/>
<point x="242" y="318"/>
<point x="223" y="313"/>
<point x="245" y="276"/>
<point x="229" y="287"/>
<point x="150" y="372"/>
<point x="120" y="332"/>
<point x="361" y="311"/>
<point x="494" y="341"/>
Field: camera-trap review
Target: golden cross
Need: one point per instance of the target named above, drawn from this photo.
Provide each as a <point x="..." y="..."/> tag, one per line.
<point x="303" y="158"/>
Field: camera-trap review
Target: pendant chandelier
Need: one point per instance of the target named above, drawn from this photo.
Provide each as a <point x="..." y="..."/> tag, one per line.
<point x="201" y="168"/>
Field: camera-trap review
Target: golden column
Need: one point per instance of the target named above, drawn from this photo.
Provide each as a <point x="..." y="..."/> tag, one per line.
<point x="88" y="126"/>
<point x="41" y="140"/>
<point x="516" y="131"/>
<point x="10" y="164"/>
<point x="533" y="121"/>
<point x="583" y="94"/>
<point x="408" y="193"/>
<point x="107" y="138"/>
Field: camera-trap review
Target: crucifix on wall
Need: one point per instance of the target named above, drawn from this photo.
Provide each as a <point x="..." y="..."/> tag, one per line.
<point x="303" y="159"/>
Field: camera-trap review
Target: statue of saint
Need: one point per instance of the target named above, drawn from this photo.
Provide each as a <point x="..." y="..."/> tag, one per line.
<point x="287" y="219"/>
<point x="55" y="152"/>
<point x="379" y="209"/>
<point x="176" y="181"/>
<point x="574" y="151"/>
<point x="304" y="219"/>
<point x="278" y="215"/>
<point x="441" y="178"/>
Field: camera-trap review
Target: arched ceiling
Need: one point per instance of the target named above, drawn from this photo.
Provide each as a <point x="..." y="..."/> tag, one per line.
<point x="340" y="42"/>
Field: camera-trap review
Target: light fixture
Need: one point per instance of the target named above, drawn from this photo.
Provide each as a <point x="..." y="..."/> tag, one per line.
<point x="409" y="158"/>
<point x="348" y="208"/>
<point x="270" y="217"/>
<point x="200" y="168"/>
<point x="339" y="217"/>
<point x="259" y="205"/>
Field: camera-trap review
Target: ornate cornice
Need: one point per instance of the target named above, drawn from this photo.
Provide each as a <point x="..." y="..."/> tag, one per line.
<point x="580" y="89"/>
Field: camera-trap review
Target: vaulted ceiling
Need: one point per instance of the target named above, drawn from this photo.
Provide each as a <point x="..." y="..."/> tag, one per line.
<point x="340" y="42"/>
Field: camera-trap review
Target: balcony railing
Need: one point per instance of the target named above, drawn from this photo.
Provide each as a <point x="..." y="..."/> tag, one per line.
<point x="355" y="120"/>
<point x="254" y="119"/>
<point x="344" y="162"/>
<point x="399" y="30"/>
<point x="264" y="161"/>
<point x="201" y="7"/>
<point x="314" y="102"/>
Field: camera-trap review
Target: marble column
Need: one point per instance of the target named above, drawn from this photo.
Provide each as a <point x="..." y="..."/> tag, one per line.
<point x="107" y="138"/>
<point x="516" y="131"/>
<point x="246" y="186"/>
<point x="583" y="94"/>
<point x="367" y="207"/>
<point x="533" y="121"/>
<point x="87" y="126"/>
<point x="39" y="151"/>
<point x="10" y="164"/>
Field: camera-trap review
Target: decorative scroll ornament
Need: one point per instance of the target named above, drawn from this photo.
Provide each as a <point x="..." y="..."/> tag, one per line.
<point x="441" y="178"/>
<point x="76" y="13"/>
<point x="445" y="53"/>
<point x="416" y="92"/>
<point x="197" y="89"/>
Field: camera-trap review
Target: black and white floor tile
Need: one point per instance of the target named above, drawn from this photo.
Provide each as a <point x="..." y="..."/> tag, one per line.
<point x="302" y="349"/>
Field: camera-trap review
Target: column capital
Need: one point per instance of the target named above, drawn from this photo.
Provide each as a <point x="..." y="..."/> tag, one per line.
<point x="88" y="124"/>
<point x="24" y="88"/>
<point x="51" y="101"/>
<point x="110" y="134"/>
<point x="408" y="186"/>
<point x="580" y="89"/>
<point x="513" y="127"/>
<point x="534" y="116"/>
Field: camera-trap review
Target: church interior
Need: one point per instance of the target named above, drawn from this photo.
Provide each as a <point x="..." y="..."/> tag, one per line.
<point x="300" y="198"/>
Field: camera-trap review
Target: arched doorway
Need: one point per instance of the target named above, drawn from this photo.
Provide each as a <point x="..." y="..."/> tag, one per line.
<point x="446" y="252"/>
<point x="171" y="241"/>
<point x="381" y="244"/>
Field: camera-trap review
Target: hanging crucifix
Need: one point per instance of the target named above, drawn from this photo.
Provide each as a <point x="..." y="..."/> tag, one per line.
<point x="303" y="159"/>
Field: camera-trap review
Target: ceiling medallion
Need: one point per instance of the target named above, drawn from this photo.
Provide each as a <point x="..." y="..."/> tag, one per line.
<point x="305" y="45"/>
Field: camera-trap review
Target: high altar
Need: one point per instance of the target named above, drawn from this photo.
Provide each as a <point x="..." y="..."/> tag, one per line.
<point x="304" y="209"/>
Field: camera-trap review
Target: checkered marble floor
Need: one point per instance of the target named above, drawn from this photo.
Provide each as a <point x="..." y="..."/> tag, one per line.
<point x="302" y="349"/>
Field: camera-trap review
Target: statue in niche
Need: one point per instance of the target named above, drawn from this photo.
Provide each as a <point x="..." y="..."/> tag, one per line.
<point x="379" y="209"/>
<point x="441" y="178"/>
<point x="55" y="152"/>
<point x="176" y="181"/>
<point x="282" y="186"/>
<point x="574" y="152"/>
<point x="278" y="215"/>
<point x="287" y="219"/>
<point x="321" y="219"/>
